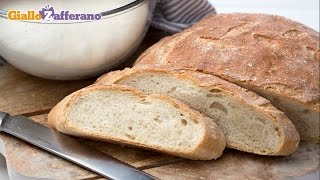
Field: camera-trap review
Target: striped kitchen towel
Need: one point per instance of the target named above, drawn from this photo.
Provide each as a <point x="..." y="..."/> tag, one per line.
<point x="175" y="15"/>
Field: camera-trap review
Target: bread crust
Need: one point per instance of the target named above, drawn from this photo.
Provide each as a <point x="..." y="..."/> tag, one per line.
<point x="210" y="147"/>
<point x="290" y="137"/>
<point x="264" y="53"/>
<point x="278" y="68"/>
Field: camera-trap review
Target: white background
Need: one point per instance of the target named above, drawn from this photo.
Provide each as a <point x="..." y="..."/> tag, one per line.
<point x="304" y="11"/>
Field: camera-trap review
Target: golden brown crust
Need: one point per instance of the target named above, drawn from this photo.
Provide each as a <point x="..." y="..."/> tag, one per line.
<point x="289" y="135"/>
<point x="55" y="117"/>
<point x="210" y="147"/>
<point x="264" y="52"/>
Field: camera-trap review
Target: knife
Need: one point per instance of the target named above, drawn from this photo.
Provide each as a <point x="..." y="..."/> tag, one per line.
<point x="68" y="148"/>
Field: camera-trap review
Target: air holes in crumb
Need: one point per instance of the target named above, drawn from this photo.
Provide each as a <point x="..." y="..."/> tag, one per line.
<point x="215" y="91"/>
<point x="214" y="95"/>
<point x="175" y="105"/>
<point x="154" y="82"/>
<point x="145" y="102"/>
<point x="157" y="120"/>
<point x="172" y="90"/>
<point x="220" y="107"/>
<point x="68" y="105"/>
<point x="184" y="122"/>
<point x="130" y="137"/>
<point x="277" y="129"/>
<point x="194" y="121"/>
<point x="130" y="128"/>
<point x="181" y="114"/>
<point x="263" y="151"/>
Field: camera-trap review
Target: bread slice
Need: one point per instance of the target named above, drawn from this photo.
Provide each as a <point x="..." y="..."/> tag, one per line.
<point x="270" y="55"/>
<point x="123" y="115"/>
<point x="250" y="122"/>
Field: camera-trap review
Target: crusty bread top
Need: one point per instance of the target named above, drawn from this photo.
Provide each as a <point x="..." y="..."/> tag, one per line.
<point x="260" y="51"/>
<point x="290" y="136"/>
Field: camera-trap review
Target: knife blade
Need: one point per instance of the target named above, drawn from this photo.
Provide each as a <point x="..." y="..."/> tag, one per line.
<point x="68" y="148"/>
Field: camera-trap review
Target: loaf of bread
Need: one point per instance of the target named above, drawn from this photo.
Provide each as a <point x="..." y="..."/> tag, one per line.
<point x="121" y="114"/>
<point x="250" y="122"/>
<point x="270" y="55"/>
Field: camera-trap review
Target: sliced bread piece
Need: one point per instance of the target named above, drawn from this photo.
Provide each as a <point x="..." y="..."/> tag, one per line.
<point x="123" y="115"/>
<point x="250" y="122"/>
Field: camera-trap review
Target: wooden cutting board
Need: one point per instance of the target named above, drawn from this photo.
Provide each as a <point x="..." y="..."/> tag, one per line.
<point x="22" y="94"/>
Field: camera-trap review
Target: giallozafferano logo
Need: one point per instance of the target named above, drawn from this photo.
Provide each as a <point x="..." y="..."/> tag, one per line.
<point x="48" y="13"/>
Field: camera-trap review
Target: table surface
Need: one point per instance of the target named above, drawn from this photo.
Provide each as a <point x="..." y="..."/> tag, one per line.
<point x="306" y="12"/>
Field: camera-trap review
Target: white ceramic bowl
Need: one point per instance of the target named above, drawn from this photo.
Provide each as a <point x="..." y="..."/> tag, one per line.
<point x="68" y="50"/>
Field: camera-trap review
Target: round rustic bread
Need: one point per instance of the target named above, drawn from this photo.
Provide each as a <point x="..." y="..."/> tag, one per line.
<point x="271" y="55"/>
